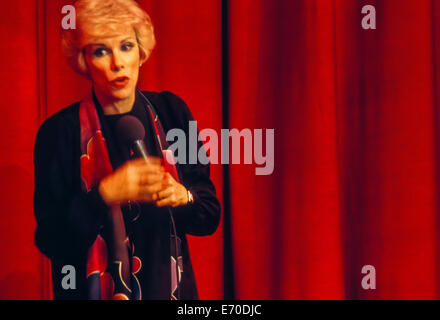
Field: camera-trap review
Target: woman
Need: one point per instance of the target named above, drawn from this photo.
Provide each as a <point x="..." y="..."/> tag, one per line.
<point x="120" y="222"/>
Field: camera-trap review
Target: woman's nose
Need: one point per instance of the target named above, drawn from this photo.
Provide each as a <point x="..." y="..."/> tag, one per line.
<point x="117" y="61"/>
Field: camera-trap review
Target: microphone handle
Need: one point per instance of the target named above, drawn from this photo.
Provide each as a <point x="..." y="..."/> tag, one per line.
<point x="139" y="149"/>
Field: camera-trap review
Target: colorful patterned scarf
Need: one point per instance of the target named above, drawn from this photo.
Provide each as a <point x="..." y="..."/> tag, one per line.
<point x="111" y="263"/>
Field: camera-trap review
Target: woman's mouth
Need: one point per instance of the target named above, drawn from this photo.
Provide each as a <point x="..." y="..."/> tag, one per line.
<point x="120" y="82"/>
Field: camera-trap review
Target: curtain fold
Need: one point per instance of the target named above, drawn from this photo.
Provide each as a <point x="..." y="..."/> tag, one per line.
<point x="355" y="120"/>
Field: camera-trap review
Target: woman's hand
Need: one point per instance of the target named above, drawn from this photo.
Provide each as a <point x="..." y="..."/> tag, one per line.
<point x="172" y="194"/>
<point x="136" y="180"/>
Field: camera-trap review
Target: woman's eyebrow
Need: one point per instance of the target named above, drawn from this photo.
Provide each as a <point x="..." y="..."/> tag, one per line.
<point x="96" y="45"/>
<point x="126" y="39"/>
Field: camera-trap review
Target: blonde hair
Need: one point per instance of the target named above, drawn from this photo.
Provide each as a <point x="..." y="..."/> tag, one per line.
<point x="104" y="16"/>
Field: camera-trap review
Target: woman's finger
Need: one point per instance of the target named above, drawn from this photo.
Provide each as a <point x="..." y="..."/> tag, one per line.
<point x="169" y="201"/>
<point x="151" y="178"/>
<point x="165" y="193"/>
<point x="146" y="168"/>
<point x="146" y="192"/>
<point x="166" y="197"/>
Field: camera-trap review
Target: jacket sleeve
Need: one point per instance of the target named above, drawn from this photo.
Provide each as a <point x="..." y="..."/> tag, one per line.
<point x="203" y="216"/>
<point x="68" y="220"/>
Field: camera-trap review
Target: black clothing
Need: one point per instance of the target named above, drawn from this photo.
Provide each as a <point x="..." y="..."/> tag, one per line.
<point x="69" y="220"/>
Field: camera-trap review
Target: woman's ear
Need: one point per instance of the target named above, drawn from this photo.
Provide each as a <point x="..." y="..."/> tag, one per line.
<point x="143" y="56"/>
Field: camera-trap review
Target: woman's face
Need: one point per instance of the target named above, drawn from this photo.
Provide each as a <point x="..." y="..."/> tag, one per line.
<point x="113" y="63"/>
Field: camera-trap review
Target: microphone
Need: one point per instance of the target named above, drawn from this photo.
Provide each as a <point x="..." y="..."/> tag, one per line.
<point x="131" y="133"/>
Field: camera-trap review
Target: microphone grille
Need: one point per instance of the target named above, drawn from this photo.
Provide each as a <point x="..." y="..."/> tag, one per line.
<point x="129" y="129"/>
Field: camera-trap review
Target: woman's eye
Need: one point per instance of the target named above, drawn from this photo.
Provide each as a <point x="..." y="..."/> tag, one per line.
<point x="99" y="52"/>
<point x="127" y="46"/>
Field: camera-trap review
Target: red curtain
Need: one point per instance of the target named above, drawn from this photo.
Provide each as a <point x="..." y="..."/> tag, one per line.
<point x="356" y="172"/>
<point x="356" y="124"/>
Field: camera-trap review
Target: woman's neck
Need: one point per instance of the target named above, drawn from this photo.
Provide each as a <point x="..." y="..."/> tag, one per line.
<point x="113" y="106"/>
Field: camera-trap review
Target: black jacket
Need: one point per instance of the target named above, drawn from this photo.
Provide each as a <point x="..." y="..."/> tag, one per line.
<point x="69" y="220"/>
